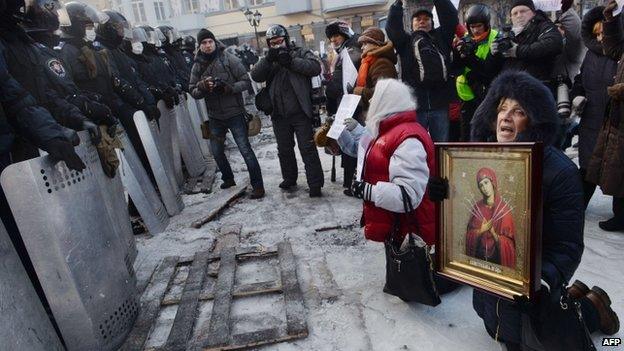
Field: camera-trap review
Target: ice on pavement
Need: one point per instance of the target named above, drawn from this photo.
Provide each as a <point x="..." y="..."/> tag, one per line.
<point x="340" y="273"/>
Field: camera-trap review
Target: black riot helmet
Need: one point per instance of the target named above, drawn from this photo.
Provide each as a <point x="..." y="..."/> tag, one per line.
<point x="82" y="15"/>
<point x="115" y="30"/>
<point x="171" y="34"/>
<point x="189" y="43"/>
<point x="276" y="31"/>
<point x="478" y="13"/>
<point x="44" y="16"/>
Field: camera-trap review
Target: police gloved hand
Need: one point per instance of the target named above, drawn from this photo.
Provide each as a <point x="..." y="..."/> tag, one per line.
<point x="63" y="150"/>
<point x="362" y="190"/>
<point x="512" y="52"/>
<point x="100" y="114"/>
<point x="350" y="123"/>
<point x="94" y="131"/>
<point x="152" y="112"/>
<point x="173" y="94"/>
<point x="272" y="54"/>
<point x="158" y="93"/>
<point x="438" y="188"/>
<point x="284" y="58"/>
<point x="169" y="96"/>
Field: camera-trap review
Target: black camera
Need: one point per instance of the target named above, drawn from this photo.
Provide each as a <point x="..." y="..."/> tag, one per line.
<point x="467" y="46"/>
<point x="505" y="39"/>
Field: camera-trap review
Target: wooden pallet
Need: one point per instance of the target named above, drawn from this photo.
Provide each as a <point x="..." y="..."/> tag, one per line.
<point x="216" y="333"/>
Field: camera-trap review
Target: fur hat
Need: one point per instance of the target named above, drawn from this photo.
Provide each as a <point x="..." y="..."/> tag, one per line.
<point x="527" y="3"/>
<point x="536" y="99"/>
<point x="204" y="34"/>
<point x="372" y="35"/>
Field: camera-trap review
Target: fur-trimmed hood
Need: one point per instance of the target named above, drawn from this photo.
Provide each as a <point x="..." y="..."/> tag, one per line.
<point x="533" y="96"/>
<point x="589" y="39"/>
<point x="386" y="51"/>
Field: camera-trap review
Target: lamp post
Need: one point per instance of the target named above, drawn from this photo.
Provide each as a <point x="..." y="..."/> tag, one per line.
<point x="254" y="20"/>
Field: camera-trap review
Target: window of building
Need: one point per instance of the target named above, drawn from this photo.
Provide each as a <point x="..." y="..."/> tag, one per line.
<point x="231" y="4"/>
<point x="256" y="2"/>
<point x="159" y="8"/>
<point x="138" y="9"/>
<point x="190" y="6"/>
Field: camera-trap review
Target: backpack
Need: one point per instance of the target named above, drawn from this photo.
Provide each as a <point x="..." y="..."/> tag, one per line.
<point x="431" y="70"/>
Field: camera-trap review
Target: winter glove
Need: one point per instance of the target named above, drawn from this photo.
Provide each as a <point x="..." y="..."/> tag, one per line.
<point x="284" y="58"/>
<point x="100" y="114"/>
<point x="608" y="10"/>
<point x="350" y="88"/>
<point x="494" y="48"/>
<point x="350" y="123"/>
<point x="222" y="88"/>
<point x="156" y="92"/>
<point x="94" y="131"/>
<point x="172" y="98"/>
<point x="152" y="112"/>
<point x="362" y="190"/>
<point x="512" y="52"/>
<point x="63" y="150"/>
<point x="438" y="189"/>
<point x="272" y="55"/>
<point x="616" y="91"/>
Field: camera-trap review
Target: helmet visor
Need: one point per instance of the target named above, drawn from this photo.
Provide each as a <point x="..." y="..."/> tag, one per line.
<point x="97" y="17"/>
<point x="122" y="29"/>
<point x="139" y="35"/>
<point x="152" y="38"/>
<point x="173" y="35"/>
<point x="63" y="17"/>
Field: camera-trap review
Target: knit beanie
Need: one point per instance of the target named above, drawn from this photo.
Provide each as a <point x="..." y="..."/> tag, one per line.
<point x="204" y="34"/>
<point x="372" y="35"/>
<point x="527" y="3"/>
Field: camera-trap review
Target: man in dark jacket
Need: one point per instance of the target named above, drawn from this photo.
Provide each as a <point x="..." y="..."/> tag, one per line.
<point x="536" y="45"/>
<point x="174" y="55"/>
<point x="220" y="78"/>
<point x="518" y="108"/>
<point x="433" y="87"/>
<point x="342" y="38"/>
<point x="287" y="70"/>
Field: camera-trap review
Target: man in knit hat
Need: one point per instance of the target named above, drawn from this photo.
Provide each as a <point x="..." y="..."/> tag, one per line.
<point x="425" y="58"/>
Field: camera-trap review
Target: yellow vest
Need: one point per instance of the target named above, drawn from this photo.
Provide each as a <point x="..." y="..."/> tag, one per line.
<point x="461" y="83"/>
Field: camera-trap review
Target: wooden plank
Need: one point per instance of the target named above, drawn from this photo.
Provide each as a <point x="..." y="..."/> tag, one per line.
<point x="242" y="253"/>
<point x="150" y="304"/>
<point x="187" y="311"/>
<point x="240" y="291"/>
<point x="222" y="201"/>
<point x="218" y="331"/>
<point x="256" y="339"/>
<point x="293" y="298"/>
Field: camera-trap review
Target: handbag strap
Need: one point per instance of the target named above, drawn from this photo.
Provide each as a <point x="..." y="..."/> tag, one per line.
<point x="408" y="208"/>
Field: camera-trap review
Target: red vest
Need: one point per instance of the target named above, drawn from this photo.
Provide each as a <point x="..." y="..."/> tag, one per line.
<point x="378" y="223"/>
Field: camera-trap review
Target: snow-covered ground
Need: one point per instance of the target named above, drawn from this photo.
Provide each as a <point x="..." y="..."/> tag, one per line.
<point x="341" y="274"/>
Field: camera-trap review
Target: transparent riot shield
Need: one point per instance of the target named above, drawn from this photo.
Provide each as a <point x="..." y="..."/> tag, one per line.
<point x="25" y="324"/>
<point x="168" y="142"/>
<point x="196" y="122"/>
<point x="157" y="157"/>
<point x="189" y="147"/>
<point x="68" y="230"/>
<point x="140" y="188"/>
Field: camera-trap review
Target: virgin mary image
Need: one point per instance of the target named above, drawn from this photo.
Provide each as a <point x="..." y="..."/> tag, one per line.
<point x="491" y="232"/>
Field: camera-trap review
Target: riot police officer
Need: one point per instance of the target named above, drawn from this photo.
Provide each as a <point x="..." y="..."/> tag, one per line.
<point x="187" y="46"/>
<point x="175" y="56"/>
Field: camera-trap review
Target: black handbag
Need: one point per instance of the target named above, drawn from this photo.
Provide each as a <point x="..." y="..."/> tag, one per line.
<point x="409" y="273"/>
<point x="555" y="326"/>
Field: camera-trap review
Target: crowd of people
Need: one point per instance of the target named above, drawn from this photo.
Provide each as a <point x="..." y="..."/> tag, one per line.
<point x="441" y="82"/>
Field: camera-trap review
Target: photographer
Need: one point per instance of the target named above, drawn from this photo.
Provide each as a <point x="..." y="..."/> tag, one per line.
<point x="473" y="53"/>
<point x="534" y="45"/>
<point x="287" y="69"/>
<point x="220" y="78"/>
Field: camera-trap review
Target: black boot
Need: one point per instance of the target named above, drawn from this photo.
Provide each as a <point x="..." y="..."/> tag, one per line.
<point x="228" y="184"/>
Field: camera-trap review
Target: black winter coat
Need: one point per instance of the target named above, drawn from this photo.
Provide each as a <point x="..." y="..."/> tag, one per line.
<point x="539" y="44"/>
<point x="333" y="89"/>
<point x="153" y="69"/>
<point x="427" y="98"/>
<point x="597" y="72"/>
<point x="179" y="64"/>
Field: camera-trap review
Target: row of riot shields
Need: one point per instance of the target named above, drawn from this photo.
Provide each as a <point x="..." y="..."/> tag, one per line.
<point x="77" y="232"/>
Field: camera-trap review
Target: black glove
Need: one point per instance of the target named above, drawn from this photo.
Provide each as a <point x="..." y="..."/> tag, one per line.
<point x="62" y="150"/>
<point x="284" y="58"/>
<point x="222" y="88"/>
<point x="272" y="55"/>
<point x="94" y="131"/>
<point x="100" y="114"/>
<point x="128" y="93"/>
<point x="438" y="189"/>
<point x="152" y="112"/>
<point x="350" y="88"/>
<point x="362" y="190"/>
<point x="173" y="95"/>
<point x="158" y="93"/>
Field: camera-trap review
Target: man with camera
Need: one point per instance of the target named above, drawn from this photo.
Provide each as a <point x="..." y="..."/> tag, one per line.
<point x="472" y="52"/>
<point x="220" y="78"/>
<point x="287" y="69"/>
<point x="532" y="44"/>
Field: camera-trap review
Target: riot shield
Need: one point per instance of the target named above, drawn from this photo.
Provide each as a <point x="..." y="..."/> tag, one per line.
<point x="141" y="189"/>
<point x="203" y="110"/>
<point x="70" y="236"/>
<point x="25" y="325"/>
<point x="196" y="122"/>
<point x="168" y="143"/>
<point x="163" y="171"/>
<point x="189" y="147"/>
<point x="175" y="147"/>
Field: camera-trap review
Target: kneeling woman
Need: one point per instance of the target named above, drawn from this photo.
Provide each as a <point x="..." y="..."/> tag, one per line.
<point x="520" y="108"/>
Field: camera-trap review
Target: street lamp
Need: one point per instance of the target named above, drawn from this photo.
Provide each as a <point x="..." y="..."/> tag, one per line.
<point x="254" y="20"/>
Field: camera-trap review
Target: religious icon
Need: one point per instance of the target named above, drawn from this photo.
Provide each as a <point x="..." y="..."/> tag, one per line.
<point x="489" y="227"/>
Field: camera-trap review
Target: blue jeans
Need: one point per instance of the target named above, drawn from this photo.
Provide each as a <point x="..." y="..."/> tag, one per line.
<point x="238" y="126"/>
<point x="436" y="122"/>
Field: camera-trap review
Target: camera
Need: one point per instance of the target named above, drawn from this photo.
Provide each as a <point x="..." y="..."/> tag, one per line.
<point x="563" y="98"/>
<point x="467" y="46"/>
<point x="505" y="39"/>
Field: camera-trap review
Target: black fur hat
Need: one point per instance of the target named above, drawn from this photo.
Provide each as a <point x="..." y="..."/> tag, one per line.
<point x="536" y="99"/>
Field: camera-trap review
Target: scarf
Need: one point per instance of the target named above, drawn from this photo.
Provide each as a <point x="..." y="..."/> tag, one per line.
<point x="367" y="62"/>
<point x="481" y="37"/>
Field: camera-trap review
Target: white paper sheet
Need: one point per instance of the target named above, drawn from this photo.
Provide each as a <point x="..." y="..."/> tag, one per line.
<point x="349" y="72"/>
<point x="547" y="5"/>
<point x="347" y="107"/>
